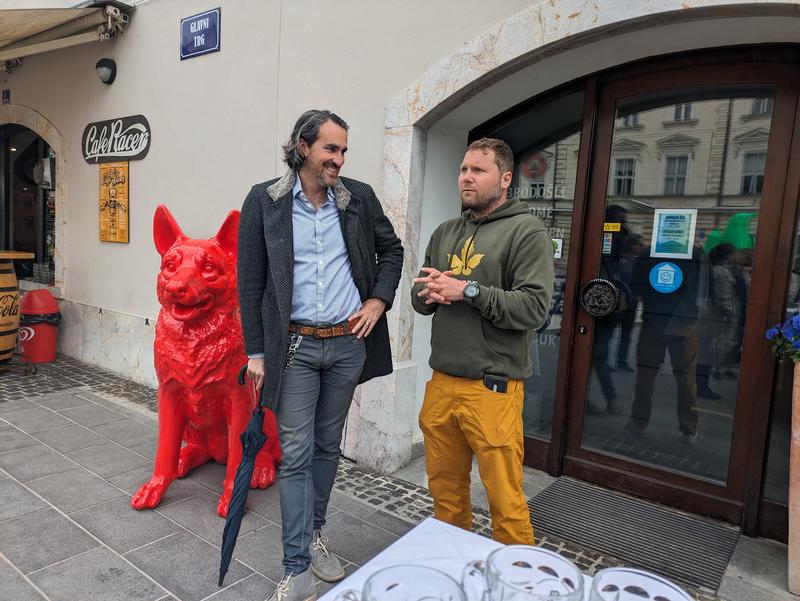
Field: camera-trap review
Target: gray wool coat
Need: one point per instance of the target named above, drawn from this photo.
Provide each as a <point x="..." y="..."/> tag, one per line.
<point x="266" y="269"/>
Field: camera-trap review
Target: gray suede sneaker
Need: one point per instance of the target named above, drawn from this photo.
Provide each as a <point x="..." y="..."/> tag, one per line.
<point x="296" y="588"/>
<point x="324" y="564"/>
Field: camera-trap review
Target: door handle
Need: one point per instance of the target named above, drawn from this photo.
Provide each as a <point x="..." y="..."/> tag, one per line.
<point x="582" y="330"/>
<point x="599" y="297"/>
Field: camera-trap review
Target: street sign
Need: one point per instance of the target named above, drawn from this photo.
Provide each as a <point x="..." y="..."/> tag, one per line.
<point x="200" y="34"/>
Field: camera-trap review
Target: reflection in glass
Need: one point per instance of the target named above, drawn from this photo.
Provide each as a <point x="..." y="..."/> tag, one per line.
<point x="545" y="144"/>
<point x="665" y="366"/>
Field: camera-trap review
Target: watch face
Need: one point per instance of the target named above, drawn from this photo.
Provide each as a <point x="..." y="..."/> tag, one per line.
<point x="471" y="290"/>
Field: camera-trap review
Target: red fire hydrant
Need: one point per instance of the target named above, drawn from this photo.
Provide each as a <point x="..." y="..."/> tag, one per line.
<point x="38" y="326"/>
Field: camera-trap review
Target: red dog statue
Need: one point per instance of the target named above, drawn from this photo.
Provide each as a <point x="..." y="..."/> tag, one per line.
<point x="199" y="350"/>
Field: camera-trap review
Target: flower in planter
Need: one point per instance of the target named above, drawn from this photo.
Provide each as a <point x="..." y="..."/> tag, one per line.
<point x="786" y="339"/>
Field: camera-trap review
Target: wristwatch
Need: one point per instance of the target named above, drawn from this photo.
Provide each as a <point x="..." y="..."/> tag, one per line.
<point x="471" y="290"/>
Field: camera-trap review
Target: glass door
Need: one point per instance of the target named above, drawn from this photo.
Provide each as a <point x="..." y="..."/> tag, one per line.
<point x="546" y="141"/>
<point x="685" y="197"/>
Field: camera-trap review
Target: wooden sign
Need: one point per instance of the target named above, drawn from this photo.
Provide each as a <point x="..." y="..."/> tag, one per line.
<point x="113" y="206"/>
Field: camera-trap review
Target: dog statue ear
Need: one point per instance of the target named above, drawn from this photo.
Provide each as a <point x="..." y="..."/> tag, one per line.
<point x="165" y="230"/>
<point x="228" y="233"/>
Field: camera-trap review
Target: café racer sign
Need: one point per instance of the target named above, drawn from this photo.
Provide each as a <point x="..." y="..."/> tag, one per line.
<point x="121" y="139"/>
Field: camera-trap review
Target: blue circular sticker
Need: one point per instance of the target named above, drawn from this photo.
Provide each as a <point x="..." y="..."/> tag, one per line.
<point x="666" y="277"/>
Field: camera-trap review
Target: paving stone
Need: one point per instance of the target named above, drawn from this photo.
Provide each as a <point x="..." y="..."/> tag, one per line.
<point x="266" y="502"/>
<point x="70" y="438"/>
<point x="127" y="432"/>
<point x="75" y="489"/>
<point x="60" y="400"/>
<point x="92" y="415"/>
<point x="185" y="565"/>
<point x="35" y="419"/>
<point x="351" y="506"/>
<point x="182" y="488"/>
<point x="210" y="475"/>
<point x="146" y="449"/>
<point x="16" y="587"/>
<point x="253" y="588"/>
<point x="108" y="459"/>
<point x="122" y="527"/>
<point x="389" y="522"/>
<point x="736" y="588"/>
<point x="16" y="500"/>
<point x="39" y="539"/>
<point x="198" y="514"/>
<point x="355" y="540"/>
<point x="15" y="405"/>
<point x="34" y="462"/>
<point x="11" y="438"/>
<point x="263" y="551"/>
<point x="98" y="574"/>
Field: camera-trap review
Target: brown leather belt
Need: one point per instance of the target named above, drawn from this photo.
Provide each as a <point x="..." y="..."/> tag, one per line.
<point x="337" y="329"/>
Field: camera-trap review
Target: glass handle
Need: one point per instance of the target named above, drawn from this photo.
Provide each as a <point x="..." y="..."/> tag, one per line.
<point x="349" y="595"/>
<point x="473" y="580"/>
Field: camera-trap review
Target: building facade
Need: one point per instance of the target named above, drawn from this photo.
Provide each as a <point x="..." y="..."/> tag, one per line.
<point x="620" y="114"/>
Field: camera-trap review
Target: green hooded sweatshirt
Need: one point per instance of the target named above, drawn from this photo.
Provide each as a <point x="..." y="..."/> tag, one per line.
<point x="510" y="254"/>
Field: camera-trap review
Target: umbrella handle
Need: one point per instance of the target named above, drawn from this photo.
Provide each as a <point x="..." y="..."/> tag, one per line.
<point x="242" y="374"/>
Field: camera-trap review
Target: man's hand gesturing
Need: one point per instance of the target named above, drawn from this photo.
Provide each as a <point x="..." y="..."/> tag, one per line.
<point x="440" y="287"/>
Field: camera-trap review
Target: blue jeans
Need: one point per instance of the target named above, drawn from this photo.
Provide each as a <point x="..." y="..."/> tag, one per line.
<point x="316" y="392"/>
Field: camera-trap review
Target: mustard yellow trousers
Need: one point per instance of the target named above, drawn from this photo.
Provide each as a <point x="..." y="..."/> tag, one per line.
<point x="461" y="418"/>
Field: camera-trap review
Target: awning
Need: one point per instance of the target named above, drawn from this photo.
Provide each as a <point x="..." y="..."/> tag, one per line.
<point x="31" y="31"/>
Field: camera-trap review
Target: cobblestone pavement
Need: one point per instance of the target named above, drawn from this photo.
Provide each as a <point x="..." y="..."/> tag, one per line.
<point x="75" y="443"/>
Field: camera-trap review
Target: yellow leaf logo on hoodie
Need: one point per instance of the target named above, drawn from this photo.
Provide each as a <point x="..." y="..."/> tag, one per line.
<point x="466" y="261"/>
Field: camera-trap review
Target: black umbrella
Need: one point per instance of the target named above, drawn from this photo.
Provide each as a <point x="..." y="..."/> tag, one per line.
<point x="253" y="438"/>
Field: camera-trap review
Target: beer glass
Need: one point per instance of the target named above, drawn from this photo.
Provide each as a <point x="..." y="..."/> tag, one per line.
<point x="628" y="584"/>
<point x="406" y="583"/>
<point x="522" y="573"/>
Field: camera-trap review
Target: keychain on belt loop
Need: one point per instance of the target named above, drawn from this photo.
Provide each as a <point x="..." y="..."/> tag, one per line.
<point x="294" y="344"/>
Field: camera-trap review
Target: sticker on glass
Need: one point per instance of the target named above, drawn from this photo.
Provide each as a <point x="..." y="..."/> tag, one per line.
<point x="673" y="233"/>
<point x="607" y="239"/>
<point x="666" y="277"/>
<point x="558" y="244"/>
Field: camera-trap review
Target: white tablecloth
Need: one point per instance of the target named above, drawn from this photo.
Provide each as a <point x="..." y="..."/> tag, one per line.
<point x="431" y="543"/>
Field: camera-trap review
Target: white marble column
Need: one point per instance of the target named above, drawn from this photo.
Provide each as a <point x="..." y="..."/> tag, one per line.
<point x="382" y="418"/>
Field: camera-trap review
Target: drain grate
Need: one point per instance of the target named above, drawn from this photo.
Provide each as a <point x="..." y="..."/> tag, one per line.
<point x="688" y="549"/>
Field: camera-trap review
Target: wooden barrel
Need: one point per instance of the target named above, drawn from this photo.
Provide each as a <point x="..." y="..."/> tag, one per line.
<point x="9" y="310"/>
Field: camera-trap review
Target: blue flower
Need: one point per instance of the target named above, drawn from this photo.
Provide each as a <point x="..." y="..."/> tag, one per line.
<point x="787" y="331"/>
<point x="796" y="344"/>
<point x="796" y="322"/>
<point x="771" y="333"/>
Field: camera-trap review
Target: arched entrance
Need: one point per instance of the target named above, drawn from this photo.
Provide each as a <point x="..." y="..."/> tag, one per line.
<point x="436" y="115"/>
<point x="32" y="199"/>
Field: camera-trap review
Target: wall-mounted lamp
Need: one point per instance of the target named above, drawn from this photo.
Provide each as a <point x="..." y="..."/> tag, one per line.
<point x="106" y="70"/>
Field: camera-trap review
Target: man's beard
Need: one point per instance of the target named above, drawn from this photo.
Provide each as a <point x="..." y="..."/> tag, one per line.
<point x="321" y="175"/>
<point x="481" y="203"/>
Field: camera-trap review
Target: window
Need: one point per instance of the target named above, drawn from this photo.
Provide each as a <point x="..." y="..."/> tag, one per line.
<point x="682" y="112"/>
<point x="623" y="177"/>
<point x="753" y="172"/>
<point x="629" y="120"/>
<point x="762" y="106"/>
<point x="675" y="176"/>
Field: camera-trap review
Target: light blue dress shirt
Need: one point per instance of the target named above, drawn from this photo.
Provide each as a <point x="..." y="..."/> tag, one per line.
<point x="324" y="290"/>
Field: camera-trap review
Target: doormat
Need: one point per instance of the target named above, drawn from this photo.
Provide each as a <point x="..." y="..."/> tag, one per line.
<point x="687" y="549"/>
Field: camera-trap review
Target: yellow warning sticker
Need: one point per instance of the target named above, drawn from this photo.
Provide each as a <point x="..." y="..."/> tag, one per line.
<point x="612" y="227"/>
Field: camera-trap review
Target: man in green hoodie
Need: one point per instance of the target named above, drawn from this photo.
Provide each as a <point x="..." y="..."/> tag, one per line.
<point x="487" y="279"/>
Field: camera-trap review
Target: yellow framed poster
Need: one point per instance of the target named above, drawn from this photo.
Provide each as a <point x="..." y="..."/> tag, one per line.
<point x="113" y="205"/>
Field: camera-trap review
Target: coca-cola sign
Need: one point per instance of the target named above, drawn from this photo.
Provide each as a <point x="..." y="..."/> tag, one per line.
<point x="122" y="139"/>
